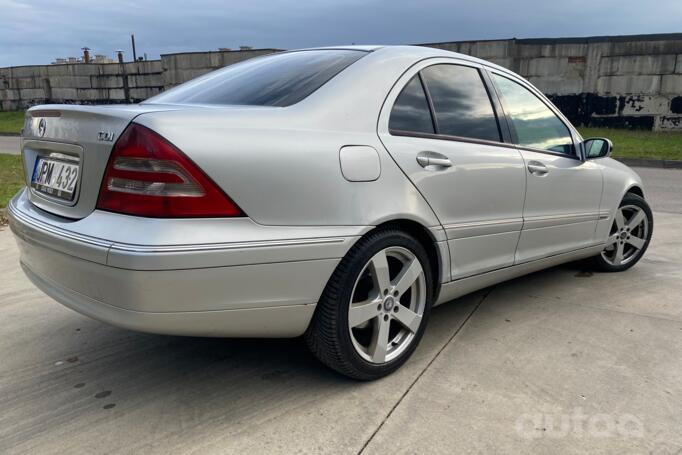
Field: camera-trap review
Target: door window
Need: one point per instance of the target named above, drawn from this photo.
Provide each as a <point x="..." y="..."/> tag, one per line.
<point x="461" y="102"/>
<point x="411" y="110"/>
<point x="534" y="124"/>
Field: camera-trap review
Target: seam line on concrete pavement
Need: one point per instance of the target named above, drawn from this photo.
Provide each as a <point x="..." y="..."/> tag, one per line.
<point x="421" y="373"/>
<point x="667" y="212"/>
<point x="613" y="310"/>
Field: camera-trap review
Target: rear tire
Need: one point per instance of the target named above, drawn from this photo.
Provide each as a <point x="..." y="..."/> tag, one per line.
<point x="629" y="236"/>
<point x="375" y="307"/>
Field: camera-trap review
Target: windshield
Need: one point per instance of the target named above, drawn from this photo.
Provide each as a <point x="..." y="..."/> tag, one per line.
<point x="279" y="79"/>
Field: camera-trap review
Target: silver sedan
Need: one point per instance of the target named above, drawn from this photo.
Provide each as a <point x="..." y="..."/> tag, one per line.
<point x="335" y="193"/>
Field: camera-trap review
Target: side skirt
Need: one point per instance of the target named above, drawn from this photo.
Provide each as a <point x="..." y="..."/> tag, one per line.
<point x="458" y="288"/>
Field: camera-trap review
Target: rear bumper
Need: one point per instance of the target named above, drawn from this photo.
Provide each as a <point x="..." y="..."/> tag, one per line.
<point x="264" y="286"/>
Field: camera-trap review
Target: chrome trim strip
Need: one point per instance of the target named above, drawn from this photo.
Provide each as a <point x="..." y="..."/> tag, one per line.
<point x="223" y="246"/>
<point x="562" y="215"/>
<point x="446" y="137"/>
<point x="536" y="222"/>
<point x="57" y="232"/>
<point x="46" y="228"/>
<point x="549" y="152"/>
<point x="476" y="228"/>
<point x="52" y="146"/>
<point x="63" y="157"/>
<point x="483" y="223"/>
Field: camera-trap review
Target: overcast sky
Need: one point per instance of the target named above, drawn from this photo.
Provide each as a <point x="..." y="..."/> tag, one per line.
<point x="38" y="31"/>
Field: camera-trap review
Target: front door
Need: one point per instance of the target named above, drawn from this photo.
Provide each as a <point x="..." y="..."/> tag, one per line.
<point x="563" y="192"/>
<point x="441" y="128"/>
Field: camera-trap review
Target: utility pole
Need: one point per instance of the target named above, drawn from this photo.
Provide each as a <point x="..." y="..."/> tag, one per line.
<point x="132" y="38"/>
<point x="124" y="77"/>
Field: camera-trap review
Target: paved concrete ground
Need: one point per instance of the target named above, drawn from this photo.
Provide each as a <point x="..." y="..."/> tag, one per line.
<point x="663" y="187"/>
<point x="10" y="144"/>
<point x="561" y="361"/>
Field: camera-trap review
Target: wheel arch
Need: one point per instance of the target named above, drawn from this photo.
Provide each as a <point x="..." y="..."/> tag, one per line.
<point x="635" y="189"/>
<point x="428" y="241"/>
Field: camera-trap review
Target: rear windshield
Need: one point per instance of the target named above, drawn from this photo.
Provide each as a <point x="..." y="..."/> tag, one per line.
<point x="273" y="80"/>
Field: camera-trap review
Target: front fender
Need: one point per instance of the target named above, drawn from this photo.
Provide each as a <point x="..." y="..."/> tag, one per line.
<point x="619" y="179"/>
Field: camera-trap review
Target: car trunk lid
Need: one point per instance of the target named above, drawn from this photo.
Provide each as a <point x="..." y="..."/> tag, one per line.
<point x="63" y="141"/>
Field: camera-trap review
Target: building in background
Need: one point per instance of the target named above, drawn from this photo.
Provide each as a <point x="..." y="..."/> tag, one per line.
<point x="99" y="58"/>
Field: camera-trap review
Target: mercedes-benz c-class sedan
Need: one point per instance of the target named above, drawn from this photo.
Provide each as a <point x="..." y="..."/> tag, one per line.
<point x="335" y="193"/>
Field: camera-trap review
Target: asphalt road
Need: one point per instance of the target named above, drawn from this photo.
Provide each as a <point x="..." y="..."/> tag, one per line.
<point x="663" y="187"/>
<point x="10" y="144"/>
<point x="561" y="361"/>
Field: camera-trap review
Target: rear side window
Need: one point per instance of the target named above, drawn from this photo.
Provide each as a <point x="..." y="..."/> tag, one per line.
<point x="411" y="110"/>
<point x="461" y="102"/>
<point x="274" y="80"/>
<point x="534" y="124"/>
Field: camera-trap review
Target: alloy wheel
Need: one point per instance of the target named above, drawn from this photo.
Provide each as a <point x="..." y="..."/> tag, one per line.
<point x="387" y="305"/>
<point x="628" y="235"/>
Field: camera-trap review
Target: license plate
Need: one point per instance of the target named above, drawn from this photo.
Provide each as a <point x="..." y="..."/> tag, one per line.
<point x="55" y="177"/>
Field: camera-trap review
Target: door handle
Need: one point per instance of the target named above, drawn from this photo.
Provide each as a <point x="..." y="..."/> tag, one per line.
<point x="426" y="159"/>
<point x="537" y="168"/>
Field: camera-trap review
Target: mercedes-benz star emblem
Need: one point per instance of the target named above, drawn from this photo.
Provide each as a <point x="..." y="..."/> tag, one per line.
<point x="42" y="126"/>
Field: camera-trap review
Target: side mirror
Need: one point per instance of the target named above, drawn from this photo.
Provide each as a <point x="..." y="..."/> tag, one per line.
<point x="597" y="147"/>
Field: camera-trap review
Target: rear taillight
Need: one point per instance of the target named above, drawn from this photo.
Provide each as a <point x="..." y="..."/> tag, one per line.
<point x="148" y="176"/>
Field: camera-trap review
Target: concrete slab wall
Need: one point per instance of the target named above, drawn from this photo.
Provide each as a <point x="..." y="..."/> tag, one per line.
<point x="623" y="81"/>
<point x="179" y="68"/>
<point x="93" y="83"/>
<point x="108" y="83"/>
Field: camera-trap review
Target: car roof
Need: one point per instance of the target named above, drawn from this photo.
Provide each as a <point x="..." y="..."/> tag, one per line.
<point x="417" y="52"/>
<point x="350" y="47"/>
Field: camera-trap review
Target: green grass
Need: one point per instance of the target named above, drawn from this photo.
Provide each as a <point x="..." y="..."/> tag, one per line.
<point x="640" y="144"/>
<point x="11" y="177"/>
<point x="11" y="121"/>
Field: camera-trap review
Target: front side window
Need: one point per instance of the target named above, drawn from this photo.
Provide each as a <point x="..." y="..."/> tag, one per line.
<point x="411" y="110"/>
<point x="535" y="124"/>
<point x="461" y="102"/>
<point x="274" y="80"/>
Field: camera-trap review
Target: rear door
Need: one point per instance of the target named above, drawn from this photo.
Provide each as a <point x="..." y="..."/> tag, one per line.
<point x="563" y="192"/>
<point x="440" y="125"/>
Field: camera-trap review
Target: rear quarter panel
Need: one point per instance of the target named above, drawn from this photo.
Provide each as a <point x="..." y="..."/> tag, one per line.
<point x="282" y="173"/>
<point x="281" y="164"/>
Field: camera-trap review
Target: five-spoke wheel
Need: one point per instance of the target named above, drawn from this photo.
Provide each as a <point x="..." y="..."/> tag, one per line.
<point x="387" y="304"/>
<point x="629" y="236"/>
<point x="374" y="309"/>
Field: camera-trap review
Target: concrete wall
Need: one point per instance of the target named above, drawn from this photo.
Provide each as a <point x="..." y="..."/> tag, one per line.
<point x="94" y="83"/>
<point x="108" y="83"/>
<point x="179" y="68"/>
<point x="624" y="81"/>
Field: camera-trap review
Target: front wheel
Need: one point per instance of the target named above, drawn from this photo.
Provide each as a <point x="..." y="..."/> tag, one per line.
<point x="374" y="309"/>
<point x="629" y="237"/>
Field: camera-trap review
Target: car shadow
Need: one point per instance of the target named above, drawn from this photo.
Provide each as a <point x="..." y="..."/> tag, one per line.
<point x="211" y="381"/>
<point x="122" y="354"/>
